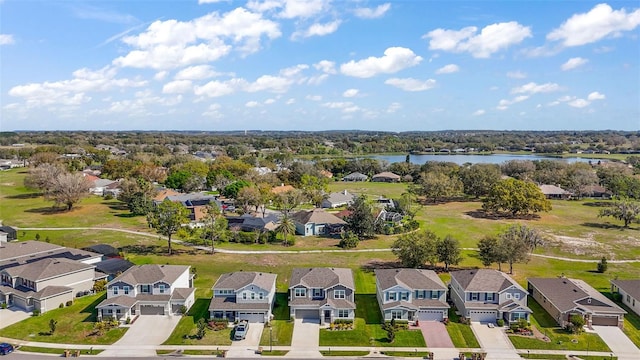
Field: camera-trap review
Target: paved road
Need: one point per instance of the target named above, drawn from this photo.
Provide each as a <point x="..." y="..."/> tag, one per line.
<point x="495" y="342"/>
<point x="145" y="332"/>
<point x="618" y="342"/>
<point x="305" y="342"/>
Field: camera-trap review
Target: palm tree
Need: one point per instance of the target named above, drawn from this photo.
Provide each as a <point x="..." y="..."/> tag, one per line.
<point x="286" y="227"/>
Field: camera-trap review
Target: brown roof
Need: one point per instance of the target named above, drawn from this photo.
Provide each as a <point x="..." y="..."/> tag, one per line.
<point x="282" y="189"/>
<point x="163" y="194"/>
<point x="552" y="190"/>
<point x="46" y="268"/>
<point x="182" y="293"/>
<point x="151" y="273"/>
<point x="322" y="277"/>
<point x="229" y="303"/>
<point x="566" y="294"/>
<point x="316" y="216"/>
<point x="387" y="174"/>
<point x="631" y="287"/>
<point x="238" y="280"/>
<point x="411" y="279"/>
<point x="484" y="280"/>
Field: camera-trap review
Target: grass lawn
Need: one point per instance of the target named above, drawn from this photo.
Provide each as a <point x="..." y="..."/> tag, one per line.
<point x="559" y="338"/>
<point x="631" y="324"/>
<point x="184" y="333"/>
<point x="406" y="353"/>
<point x="75" y="324"/>
<point x="35" y="349"/>
<point x="461" y="335"/>
<point x="371" y="189"/>
<point x="281" y="330"/>
<point x="274" y="352"/>
<point x="563" y="357"/>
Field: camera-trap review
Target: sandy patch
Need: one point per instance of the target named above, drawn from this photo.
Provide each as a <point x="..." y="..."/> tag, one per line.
<point x="578" y="245"/>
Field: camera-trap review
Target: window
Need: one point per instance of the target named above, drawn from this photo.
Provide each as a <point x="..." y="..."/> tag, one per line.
<point x="628" y="298"/>
<point x="261" y="296"/>
<point x="244" y="296"/>
<point x="145" y="289"/>
<point x="518" y="315"/>
<point x="300" y="292"/>
<point x="126" y="290"/>
<point x="435" y="294"/>
<point x="507" y="296"/>
<point x="404" y="296"/>
<point x="253" y="296"/>
<point x="516" y="296"/>
<point x="396" y="314"/>
<point x="474" y="296"/>
<point x="161" y="288"/>
<point x="317" y="293"/>
<point x="343" y="313"/>
<point x="339" y="294"/>
<point x="115" y="290"/>
<point x="420" y="294"/>
<point x="392" y="296"/>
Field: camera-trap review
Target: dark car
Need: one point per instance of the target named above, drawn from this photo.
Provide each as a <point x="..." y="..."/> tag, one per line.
<point x="6" y="348"/>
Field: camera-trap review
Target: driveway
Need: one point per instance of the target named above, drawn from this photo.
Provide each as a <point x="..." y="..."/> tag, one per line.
<point x="247" y="348"/>
<point x="12" y="315"/>
<point x="494" y="342"/>
<point x="618" y="342"/>
<point x="143" y="335"/>
<point x="305" y="342"/>
<point x="435" y="334"/>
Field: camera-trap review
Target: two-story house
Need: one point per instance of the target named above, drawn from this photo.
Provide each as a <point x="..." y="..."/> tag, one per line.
<point x="243" y="296"/>
<point x="486" y="295"/>
<point x="45" y="284"/>
<point x="322" y="294"/>
<point x="148" y="290"/>
<point x="411" y="294"/>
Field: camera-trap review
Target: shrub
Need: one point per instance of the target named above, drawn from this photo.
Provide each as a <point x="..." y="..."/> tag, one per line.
<point x="500" y="322"/>
<point x="602" y="265"/>
<point x="60" y="306"/>
<point x="218" y="324"/>
<point x="128" y="321"/>
<point x="576" y="323"/>
<point x="100" y="285"/>
<point x="348" y="240"/>
<point x="3" y="305"/>
<point x="183" y="310"/>
<point x="69" y="303"/>
<point x="35" y="312"/>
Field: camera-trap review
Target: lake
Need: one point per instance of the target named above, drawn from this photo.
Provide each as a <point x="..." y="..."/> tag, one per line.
<point x="475" y="159"/>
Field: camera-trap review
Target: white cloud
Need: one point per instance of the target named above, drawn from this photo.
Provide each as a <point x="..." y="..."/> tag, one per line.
<point x="368" y="13"/>
<point x="269" y="101"/>
<point x="6" y="39"/>
<point x="198" y="72"/>
<point x="394" y="60"/>
<point x="516" y="75"/>
<point x="326" y="66"/>
<point x="579" y="103"/>
<point x="596" y="96"/>
<point x="338" y="104"/>
<point x="277" y="84"/>
<point x="411" y="84"/>
<point x="491" y="38"/>
<point x="314" y="97"/>
<point x="160" y="75"/>
<point x="252" y="104"/>
<point x="317" y="29"/>
<point x="217" y="88"/>
<point x="533" y="88"/>
<point x="294" y="71"/>
<point x="290" y="101"/>
<point x="599" y="23"/>
<point x="448" y="69"/>
<point x="479" y="112"/>
<point x="573" y="63"/>
<point x="504" y="103"/>
<point x="303" y="8"/>
<point x="177" y="87"/>
<point x="393" y="107"/>
<point x="350" y="93"/>
<point x="213" y="111"/>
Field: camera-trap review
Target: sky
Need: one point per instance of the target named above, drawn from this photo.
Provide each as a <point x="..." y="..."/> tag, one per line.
<point x="413" y="65"/>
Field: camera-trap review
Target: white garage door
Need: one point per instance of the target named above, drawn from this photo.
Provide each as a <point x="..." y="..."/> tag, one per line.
<point x="251" y="316"/>
<point x="426" y="315"/>
<point x="307" y="314"/>
<point x="482" y="316"/>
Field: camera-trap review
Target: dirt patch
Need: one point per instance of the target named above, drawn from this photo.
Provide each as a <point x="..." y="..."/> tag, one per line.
<point x="578" y="245"/>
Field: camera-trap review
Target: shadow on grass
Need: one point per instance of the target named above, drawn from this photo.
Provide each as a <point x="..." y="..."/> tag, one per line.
<point x="377" y="264"/>
<point x="367" y="308"/>
<point x="49" y="210"/>
<point x="25" y="196"/>
<point x="481" y="214"/>
<point x="91" y="309"/>
<point x="116" y="205"/>
<point x="281" y="307"/>
<point x="597" y="204"/>
<point x="606" y="226"/>
<point x="125" y="215"/>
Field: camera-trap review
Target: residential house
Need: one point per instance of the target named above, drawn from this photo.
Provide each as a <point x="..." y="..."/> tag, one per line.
<point x="596" y="192"/>
<point x="257" y="222"/>
<point x="148" y="290"/>
<point x="355" y="176"/>
<point x="46" y="283"/>
<point x="105" y="249"/>
<point x="99" y="186"/>
<point x="195" y="202"/>
<point x="629" y="291"/>
<point x="386" y="176"/>
<point x="322" y="294"/>
<point x="388" y="217"/>
<point x="411" y="294"/>
<point x="554" y="192"/>
<point x="10" y="233"/>
<point x="337" y="199"/>
<point x="317" y="222"/>
<point x="113" y="267"/>
<point x="282" y="189"/>
<point x="243" y="296"/>
<point x="562" y="297"/>
<point x="486" y="295"/>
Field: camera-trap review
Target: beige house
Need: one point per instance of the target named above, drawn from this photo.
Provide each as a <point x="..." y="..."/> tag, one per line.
<point x="322" y="294"/>
<point x="562" y="297"/>
<point x="243" y="296"/>
<point x="148" y="290"/>
<point x="629" y="291"/>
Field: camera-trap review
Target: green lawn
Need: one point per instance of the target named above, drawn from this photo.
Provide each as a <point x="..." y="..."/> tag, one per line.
<point x="564" y="357"/>
<point x="559" y="338"/>
<point x="631" y="324"/>
<point x="35" y="349"/>
<point x="421" y="354"/>
<point x="281" y="330"/>
<point x="461" y="335"/>
<point x="344" y="353"/>
<point x="75" y="325"/>
<point x="184" y="333"/>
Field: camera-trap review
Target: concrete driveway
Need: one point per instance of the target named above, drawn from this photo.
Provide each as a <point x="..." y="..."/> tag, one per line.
<point x="143" y="335"/>
<point x="11" y="316"/>
<point x="435" y="334"/>
<point x="494" y="342"/>
<point x="618" y="342"/>
<point x="305" y="342"/>
<point x="247" y="348"/>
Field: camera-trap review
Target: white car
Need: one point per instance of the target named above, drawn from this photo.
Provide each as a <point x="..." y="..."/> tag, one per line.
<point x="491" y="325"/>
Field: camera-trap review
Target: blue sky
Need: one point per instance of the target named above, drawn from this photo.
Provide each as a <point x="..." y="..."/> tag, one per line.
<point x="319" y="65"/>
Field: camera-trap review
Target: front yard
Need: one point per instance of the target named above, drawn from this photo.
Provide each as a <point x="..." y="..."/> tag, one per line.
<point x="461" y="334"/>
<point x="281" y="330"/>
<point x="184" y="333"/>
<point x="75" y="325"/>
<point x="559" y="339"/>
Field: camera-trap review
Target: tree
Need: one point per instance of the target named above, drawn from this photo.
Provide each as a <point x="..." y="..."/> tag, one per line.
<point x="477" y="179"/>
<point x="437" y="185"/>
<point x="201" y="328"/>
<point x="603" y="265"/>
<point x="515" y="197"/>
<point x="286" y="228"/>
<point x="408" y="205"/>
<point x="576" y="322"/>
<point x="167" y="218"/>
<point x="177" y="179"/>
<point x="489" y="251"/>
<point x="448" y="251"/>
<point x="348" y="240"/>
<point x="287" y="201"/>
<point x="626" y="210"/>
<point x="513" y="246"/>
<point x="53" y="324"/>
<point x="248" y="196"/>
<point x="361" y="221"/>
<point x="233" y="189"/>
<point x="215" y="225"/>
<point x="138" y="194"/>
<point x="416" y="248"/>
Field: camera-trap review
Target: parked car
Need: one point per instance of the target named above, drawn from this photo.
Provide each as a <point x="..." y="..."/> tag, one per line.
<point x="491" y="325"/>
<point x="6" y="348"/>
<point x="241" y="330"/>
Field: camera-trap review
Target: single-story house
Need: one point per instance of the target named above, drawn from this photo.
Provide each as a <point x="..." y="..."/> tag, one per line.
<point x="337" y="199"/>
<point x="355" y="176"/>
<point x="317" y="222"/>
<point x="629" y="291"/>
<point x="386" y="176"/>
<point x="554" y="192"/>
<point x="11" y="233"/>
<point x="562" y="297"/>
<point x="596" y="192"/>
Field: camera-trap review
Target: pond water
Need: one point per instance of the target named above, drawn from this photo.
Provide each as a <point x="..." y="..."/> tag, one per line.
<point x="475" y="159"/>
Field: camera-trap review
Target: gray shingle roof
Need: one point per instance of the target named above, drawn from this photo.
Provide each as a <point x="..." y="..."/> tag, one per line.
<point x="342" y="197"/>
<point x="46" y="268"/>
<point x="21" y="252"/>
<point x="631" y="287"/>
<point x="122" y="300"/>
<point x="565" y="293"/>
<point x="238" y="280"/>
<point x="151" y="273"/>
<point x="484" y="280"/>
<point x="182" y="293"/>
<point x="50" y="291"/>
<point x="322" y="277"/>
<point x="229" y="303"/>
<point x="316" y="216"/>
<point x="412" y="279"/>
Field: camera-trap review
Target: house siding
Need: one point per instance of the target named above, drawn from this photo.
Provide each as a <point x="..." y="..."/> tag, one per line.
<point x="52" y="302"/>
<point x="556" y="314"/>
<point x="627" y="299"/>
<point x="79" y="281"/>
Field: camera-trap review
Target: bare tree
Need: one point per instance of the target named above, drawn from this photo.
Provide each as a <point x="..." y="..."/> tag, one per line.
<point x="69" y="189"/>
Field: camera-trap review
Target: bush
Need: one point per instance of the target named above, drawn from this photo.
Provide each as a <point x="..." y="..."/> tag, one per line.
<point x="398" y="324"/>
<point x="3" y="305"/>
<point x="500" y="322"/>
<point x="69" y="303"/>
<point x="576" y="323"/>
<point x="218" y="324"/>
<point x="348" y="240"/>
<point x="35" y="312"/>
<point x="61" y="306"/>
<point x="602" y="265"/>
<point x="183" y="310"/>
